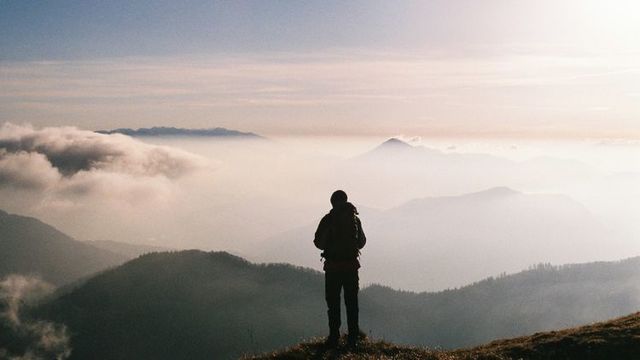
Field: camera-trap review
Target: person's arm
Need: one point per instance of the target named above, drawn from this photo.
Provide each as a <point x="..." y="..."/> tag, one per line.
<point x="320" y="239"/>
<point x="362" y="239"/>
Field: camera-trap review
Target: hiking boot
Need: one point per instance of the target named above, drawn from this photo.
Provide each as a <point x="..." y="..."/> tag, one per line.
<point x="353" y="342"/>
<point x="359" y="335"/>
<point x="353" y="346"/>
<point x="331" y="341"/>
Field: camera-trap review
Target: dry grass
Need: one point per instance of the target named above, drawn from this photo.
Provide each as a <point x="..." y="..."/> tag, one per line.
<point x="315" y="349"/>
<point x="616" y="339"/>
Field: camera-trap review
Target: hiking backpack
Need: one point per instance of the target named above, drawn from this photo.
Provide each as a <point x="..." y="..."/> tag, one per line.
<point x="342" y="237"/>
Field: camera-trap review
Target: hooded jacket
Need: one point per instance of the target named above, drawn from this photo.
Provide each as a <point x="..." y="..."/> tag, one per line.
<point x="340" y="236"/>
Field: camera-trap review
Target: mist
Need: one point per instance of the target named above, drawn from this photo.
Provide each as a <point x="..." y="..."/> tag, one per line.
<point x="29" y="339"/>
<point x="451" y="211"/>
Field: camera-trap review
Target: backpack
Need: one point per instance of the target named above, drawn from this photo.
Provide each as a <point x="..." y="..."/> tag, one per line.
<point x="342" y="236"/>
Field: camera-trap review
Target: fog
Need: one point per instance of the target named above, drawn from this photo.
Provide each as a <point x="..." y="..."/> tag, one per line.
<point x="29" y="339"/>
<point x="438" y="213"/>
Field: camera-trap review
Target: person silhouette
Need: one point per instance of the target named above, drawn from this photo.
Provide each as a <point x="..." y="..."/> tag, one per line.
<point x="340" y="237"/>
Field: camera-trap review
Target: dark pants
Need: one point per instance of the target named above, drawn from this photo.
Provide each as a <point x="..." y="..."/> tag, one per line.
<point x="334" y="281"/>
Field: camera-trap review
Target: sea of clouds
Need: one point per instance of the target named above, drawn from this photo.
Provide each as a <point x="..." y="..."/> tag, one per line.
<point x="66" y="163"/>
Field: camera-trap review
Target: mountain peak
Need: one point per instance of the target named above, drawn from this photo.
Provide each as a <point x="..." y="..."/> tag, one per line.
<point x="392" y="145"/>
<point x="395" y="143"/>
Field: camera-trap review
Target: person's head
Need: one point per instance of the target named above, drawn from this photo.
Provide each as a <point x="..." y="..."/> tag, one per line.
<point x="338" y="198"/>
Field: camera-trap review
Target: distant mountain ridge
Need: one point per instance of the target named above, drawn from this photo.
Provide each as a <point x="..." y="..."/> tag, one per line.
<point x="495" y="193"/>
<point x="30" y="247"/>
<point x="397" y="171"/>
<point x="173" y="131"/>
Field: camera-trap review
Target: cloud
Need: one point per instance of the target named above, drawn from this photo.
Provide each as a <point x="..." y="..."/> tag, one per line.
<point x="33" y="339"/>
<point x="338" y="92"/>
<point x="26" y="170"/>
<point x="69" y="162"/>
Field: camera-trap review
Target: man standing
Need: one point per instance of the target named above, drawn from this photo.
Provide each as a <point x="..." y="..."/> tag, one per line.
<point x="340" y="237"/>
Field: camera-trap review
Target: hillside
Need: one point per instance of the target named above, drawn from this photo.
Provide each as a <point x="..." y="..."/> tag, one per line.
<point x="29" y="246"/>
<point x="616" y="339"/>
<point x="190" y="305"/>
<point x="165" y="305"/>
<point x="540" y="299"/>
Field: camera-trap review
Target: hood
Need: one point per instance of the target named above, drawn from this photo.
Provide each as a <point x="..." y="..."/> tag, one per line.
<point x="346" y="207"/>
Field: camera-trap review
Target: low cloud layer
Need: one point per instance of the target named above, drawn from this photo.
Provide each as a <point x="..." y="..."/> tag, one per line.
<point x="30" y="339"/>
<point x="66" y="161"/>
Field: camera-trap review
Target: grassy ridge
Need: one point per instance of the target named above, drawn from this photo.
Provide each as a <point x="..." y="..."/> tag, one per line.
<point x="616" y="339"/>
<point x="382" y="350"/>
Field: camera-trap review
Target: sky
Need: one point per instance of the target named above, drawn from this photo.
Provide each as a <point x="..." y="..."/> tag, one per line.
<point x="474" y="69"/>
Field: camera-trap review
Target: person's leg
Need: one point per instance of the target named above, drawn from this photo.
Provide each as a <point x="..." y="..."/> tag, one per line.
<point x="332" y="287"/>
<point x="351" y="288"/>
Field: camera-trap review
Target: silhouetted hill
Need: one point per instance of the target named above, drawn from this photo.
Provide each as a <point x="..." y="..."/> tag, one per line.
<point x="544" y="298"/>
<point x="172" y="131"/>
<point x="29" y="246"/>
<point x="615" y="339"/>
<point x="192" y="304"/>
<point x="125" y="249"/>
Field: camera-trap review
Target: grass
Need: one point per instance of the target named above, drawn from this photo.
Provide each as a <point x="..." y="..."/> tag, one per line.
<point x="315" y="349"/>
<point x="616" y="339"/>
